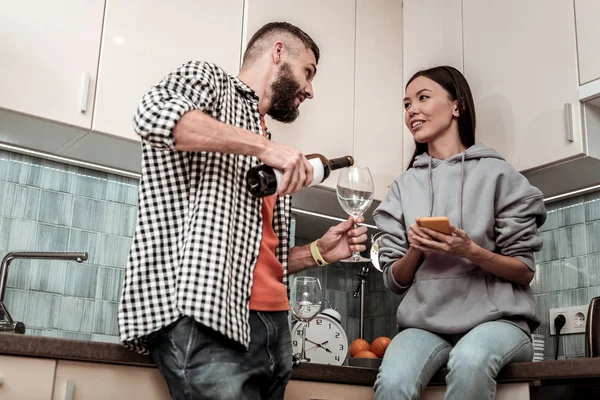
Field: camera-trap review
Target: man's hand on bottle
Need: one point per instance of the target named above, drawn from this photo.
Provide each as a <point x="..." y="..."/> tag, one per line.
<point x="297" y="171"/>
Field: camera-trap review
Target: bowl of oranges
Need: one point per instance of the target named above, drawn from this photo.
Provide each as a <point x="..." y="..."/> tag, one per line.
<point x="368" y="355"/>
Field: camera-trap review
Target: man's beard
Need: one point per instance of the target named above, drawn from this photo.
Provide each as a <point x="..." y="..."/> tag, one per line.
<point x="284" y="90"/>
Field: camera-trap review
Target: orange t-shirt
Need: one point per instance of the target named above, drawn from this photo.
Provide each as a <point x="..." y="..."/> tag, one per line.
<point x="268" y="292"/>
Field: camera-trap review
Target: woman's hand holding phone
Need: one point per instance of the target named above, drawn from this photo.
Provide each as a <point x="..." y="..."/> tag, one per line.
<point x="422" y="237"/>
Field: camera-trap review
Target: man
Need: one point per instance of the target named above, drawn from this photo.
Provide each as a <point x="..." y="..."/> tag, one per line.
<point x="206" y="286"/>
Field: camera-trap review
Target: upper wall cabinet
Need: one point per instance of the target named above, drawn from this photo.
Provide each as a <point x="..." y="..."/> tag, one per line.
<point x="49" y="58"/>
<point x="432" y="37"/>
<point x="588" y="39"/>
<point x="325" y="124"/>
<point x="378" y="91"/>
<point x="520" y="59"/>
<point x="144" y="40"/>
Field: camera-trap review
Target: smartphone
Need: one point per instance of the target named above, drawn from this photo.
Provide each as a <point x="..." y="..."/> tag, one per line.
<point x="438" y="224"/>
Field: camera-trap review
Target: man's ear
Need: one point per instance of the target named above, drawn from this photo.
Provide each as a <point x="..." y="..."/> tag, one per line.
<point x="277" y="52"/>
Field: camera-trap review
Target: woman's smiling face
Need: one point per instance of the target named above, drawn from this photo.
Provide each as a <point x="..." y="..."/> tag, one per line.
<point x="429" y="110"/>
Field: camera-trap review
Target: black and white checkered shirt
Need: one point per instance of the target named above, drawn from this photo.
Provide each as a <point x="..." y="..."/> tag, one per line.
<point x="199" y="229"/>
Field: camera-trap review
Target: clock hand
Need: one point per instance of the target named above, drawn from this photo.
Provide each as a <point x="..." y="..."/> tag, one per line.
<point x="317" y="344"/>
<point x="320" y="345"/>
<point x="308" y="340"/>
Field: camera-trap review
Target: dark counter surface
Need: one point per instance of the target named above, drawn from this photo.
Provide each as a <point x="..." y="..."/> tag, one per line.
<point x="540" y="373"/>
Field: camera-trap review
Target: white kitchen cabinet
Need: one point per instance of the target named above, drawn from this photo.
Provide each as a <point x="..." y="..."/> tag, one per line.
<point x="378" y="91"/>
<point x="432" y="37"/>
<point x="49" y="52"/>
<point x="504" y="391"/>
<point x="24" y="378"/>
<point x="325" y="124"/>
<point x="588" y="37"/>
<point x="144" y="40"/>
<point x="307" y="390"/>
<point x="520" y="59"/>
<point x="96" y="381"/>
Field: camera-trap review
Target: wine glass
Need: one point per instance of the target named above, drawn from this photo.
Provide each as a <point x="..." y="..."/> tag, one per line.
<point x="306" y="302"/>
<point x="355" y="193"/>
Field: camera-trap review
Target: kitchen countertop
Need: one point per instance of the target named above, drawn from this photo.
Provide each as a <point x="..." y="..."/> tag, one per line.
<point x="540" y="373"/>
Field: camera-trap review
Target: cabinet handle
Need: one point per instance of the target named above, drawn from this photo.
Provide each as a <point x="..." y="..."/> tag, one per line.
<point x="569" y="122"/>
<point x="85" y="84"/>
<point x="69" y="390"/>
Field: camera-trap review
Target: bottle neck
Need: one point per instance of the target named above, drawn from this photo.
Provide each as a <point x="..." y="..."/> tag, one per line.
<point x="341" y="162"/>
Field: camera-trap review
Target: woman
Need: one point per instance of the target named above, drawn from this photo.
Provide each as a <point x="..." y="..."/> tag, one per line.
<point x="467" y="300"/>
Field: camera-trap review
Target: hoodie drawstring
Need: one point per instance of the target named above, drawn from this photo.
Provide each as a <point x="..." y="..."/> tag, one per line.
<point x="430" y="189"/>
<point x="460" y="190"/>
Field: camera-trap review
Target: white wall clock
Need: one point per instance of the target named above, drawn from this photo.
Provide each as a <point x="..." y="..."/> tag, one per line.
<point x="326" y="340"/>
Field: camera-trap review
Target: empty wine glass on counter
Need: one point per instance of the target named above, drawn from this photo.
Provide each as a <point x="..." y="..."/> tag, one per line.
<point x="306" y="300"/>
<point x="355" y="193"/>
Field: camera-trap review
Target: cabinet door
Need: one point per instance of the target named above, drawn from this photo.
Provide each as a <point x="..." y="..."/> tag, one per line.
<point x="48" y="48"/>
<point x="325" y="124"/>
<point x="378" y="113"/>
<point x="432" y="37"/>
<point x="144" y="40"/>
<point x="95" y="381"/>
<point x="18" y="373"/>
<point x="307" y="390"/>
<point x="520" y="59"/>
<point x="588" y="37"/>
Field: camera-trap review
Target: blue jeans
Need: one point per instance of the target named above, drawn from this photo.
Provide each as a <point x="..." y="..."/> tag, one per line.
<point x="473" y="359"/>
<point x="200" y="363"/>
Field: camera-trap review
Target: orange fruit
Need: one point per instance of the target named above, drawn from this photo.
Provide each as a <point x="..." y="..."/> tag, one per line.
<point x="380" y="345"/>
<point x="357" y="346"/>
<point x="365" y="354"/>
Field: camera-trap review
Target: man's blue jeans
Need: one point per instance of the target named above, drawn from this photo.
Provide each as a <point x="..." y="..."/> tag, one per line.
<point x="199" y="363"/>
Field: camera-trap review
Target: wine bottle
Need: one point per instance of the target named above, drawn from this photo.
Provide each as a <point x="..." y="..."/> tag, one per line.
<point x="264" y="180"/>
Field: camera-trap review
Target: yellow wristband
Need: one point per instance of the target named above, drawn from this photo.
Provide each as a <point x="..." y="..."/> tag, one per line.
<point x="316" y="254"/>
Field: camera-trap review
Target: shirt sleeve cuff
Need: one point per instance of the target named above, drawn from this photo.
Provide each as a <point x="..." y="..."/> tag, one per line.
<point x="392" y="284"/>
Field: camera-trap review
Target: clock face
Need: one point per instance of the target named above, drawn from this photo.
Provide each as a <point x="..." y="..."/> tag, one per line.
<point x="326" y="341"/>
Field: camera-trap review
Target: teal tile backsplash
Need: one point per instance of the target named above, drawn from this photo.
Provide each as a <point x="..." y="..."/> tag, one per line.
<point x="49" y="206"/>
<point x="567" y="267"/>
<point x="47" y="276"/>
<point x="89" y="214"/>
<point x="81" y="280"/>
<point x="56" y="208"/>
<point x="21" y="201"/>
<point x="45" y="205"/>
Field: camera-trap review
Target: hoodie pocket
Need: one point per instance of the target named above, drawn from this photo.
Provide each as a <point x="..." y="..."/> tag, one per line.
<point x="448" y="305"/>
<point x="494" y="306"/>
<point x="527" y="297"/>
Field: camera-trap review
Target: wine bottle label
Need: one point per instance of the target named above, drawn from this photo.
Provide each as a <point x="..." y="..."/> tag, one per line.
<point x="318" y="171"/>
<point x="278" y="176"/>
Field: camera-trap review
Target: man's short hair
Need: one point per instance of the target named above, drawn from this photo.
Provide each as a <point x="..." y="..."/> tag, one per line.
<point x="257" y="44"/>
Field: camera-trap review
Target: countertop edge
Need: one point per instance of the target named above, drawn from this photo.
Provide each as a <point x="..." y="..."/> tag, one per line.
<point x="100" y="352"/>
<point x="67" y="349"/>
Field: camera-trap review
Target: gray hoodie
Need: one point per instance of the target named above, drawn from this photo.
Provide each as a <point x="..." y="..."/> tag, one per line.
<point x="500" y="211"/>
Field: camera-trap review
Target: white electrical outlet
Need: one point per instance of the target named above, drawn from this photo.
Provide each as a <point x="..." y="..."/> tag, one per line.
<point x="575" y="317"/>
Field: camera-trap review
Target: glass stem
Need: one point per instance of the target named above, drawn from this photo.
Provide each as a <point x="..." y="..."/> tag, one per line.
<point x="303" y="353"/>
<point x="356" y="254"/>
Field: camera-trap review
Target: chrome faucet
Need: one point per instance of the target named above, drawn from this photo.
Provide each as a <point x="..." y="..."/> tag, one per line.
<point x="18" y="327"/>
